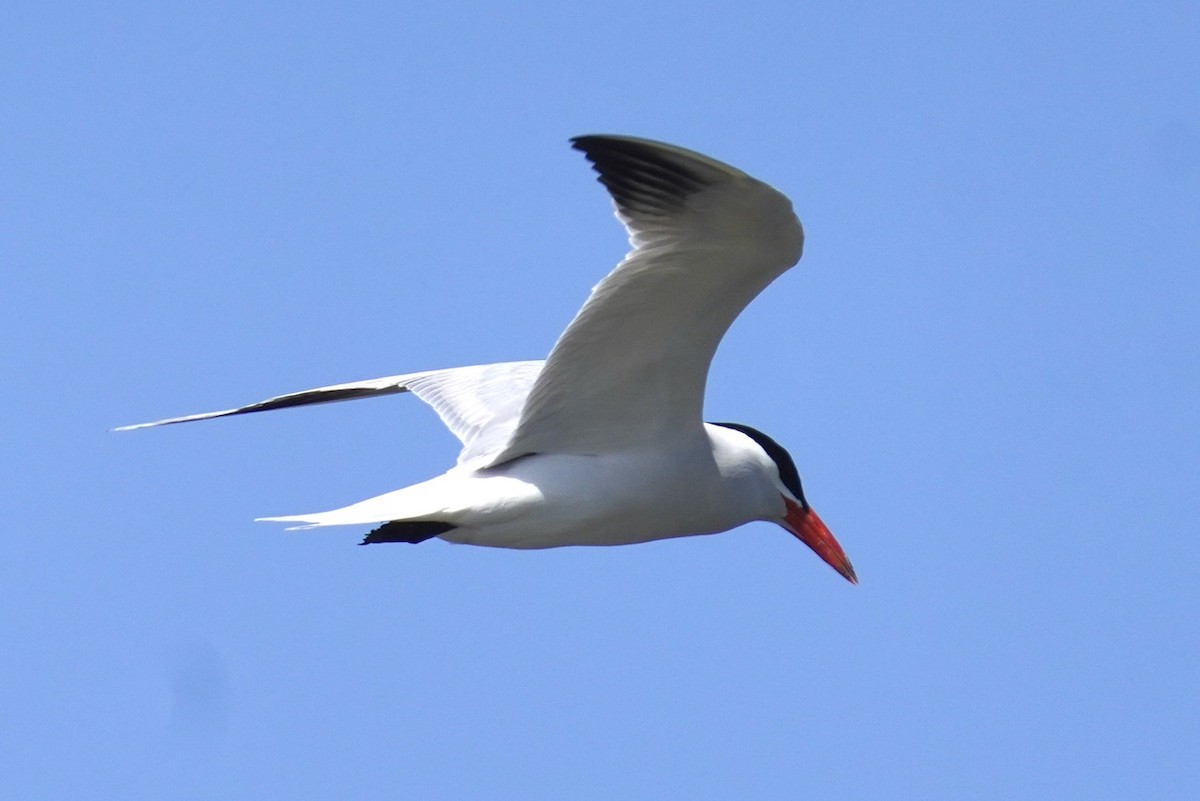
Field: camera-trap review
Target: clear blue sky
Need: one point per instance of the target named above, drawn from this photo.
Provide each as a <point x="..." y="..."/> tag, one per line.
<point x="986" y="367"/>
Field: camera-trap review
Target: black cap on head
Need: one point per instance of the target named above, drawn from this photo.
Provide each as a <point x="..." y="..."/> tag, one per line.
<point x="788" y="473"/>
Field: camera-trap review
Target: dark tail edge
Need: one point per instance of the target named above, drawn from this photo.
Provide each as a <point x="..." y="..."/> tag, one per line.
<point x="410" y="531"/>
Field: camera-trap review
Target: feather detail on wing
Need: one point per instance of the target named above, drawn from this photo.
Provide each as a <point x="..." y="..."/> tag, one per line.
<point x="632" y="366"/>
<point x="479" y="404"/>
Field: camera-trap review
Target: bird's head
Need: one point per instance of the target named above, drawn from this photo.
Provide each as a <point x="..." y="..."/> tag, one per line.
<point x="798" y="517"/>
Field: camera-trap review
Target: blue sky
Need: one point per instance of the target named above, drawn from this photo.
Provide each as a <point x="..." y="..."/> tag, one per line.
<point x="986" y="368"/>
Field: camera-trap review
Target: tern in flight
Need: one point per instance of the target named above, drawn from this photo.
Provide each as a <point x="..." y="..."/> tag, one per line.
<point x="603" y="442"/>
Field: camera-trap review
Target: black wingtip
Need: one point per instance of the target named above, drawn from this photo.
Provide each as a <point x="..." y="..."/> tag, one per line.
<point x="644" y="177"/>
<point x="410" y="531"/>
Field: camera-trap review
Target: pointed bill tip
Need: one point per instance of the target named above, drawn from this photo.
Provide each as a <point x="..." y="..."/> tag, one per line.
<point x="811" y="530"/>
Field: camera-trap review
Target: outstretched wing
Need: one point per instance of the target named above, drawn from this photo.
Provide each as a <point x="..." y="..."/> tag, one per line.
<point x="480" y="404"/>
<point x="632" y="366"/>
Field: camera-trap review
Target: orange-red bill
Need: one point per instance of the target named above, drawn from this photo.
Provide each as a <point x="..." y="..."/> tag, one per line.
<point x="810" y="530"/>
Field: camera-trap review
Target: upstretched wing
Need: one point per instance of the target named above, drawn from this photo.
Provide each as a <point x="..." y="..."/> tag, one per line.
<point x="632" y="366"/>
<point x="480" y="404"/>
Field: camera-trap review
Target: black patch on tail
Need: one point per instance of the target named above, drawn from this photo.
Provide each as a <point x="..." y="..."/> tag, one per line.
<point x="411" y="531"/>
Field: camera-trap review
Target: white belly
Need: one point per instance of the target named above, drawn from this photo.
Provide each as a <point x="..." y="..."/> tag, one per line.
<point x="697" y="485"/>
<point x="594" y="500"/>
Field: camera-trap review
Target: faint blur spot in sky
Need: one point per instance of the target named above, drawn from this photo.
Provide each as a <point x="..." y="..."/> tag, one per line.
<point x="201" y="693"/>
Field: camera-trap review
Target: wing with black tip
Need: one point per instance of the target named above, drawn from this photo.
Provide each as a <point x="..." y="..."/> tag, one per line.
<point x="632" y="366"/>
<point x="479" y="404"/>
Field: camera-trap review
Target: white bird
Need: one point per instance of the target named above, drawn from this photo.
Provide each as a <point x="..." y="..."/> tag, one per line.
<point x="603" y="442"/>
